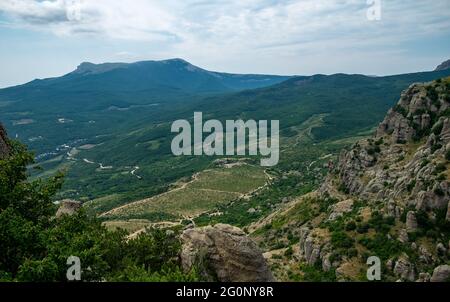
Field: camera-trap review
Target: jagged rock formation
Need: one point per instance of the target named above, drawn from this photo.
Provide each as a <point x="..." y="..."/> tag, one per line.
<point x="403" y="172"/>
<point x="225" y="253"/>
<point x="4" y="148"/>
<point x="407" y="158"/>
<point x="315" y="247"/>
<point x="68" y="207"/>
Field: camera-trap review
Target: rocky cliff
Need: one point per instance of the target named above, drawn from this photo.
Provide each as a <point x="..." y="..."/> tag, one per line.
<point x="387" y="196"/>
<point x="401" y="176"/>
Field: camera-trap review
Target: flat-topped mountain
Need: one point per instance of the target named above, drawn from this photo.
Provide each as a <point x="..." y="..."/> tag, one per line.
<point x="173" y="74"/>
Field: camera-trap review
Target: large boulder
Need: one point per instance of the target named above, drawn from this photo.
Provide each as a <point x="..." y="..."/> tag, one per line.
<point x="411" y="222"/>
<point x="4" y="148"/>
<point x="441" y="274"/>
<point x="68" y="207"/>
<point x="224" y="253"/>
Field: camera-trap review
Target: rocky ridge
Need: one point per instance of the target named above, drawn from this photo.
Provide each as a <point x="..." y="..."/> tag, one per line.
<point x="402" y="175"/>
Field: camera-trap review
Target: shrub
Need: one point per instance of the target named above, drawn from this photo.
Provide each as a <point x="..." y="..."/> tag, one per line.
<point x="411" y="185"/>
<point x="351" y="226"/>
<point x="439" y="168"/>
<point x="438" y="129"/>
<point x="447" y="155"/>
<point x="340" y="239"/>
<point x="432" y="93"/>
<point x="436" y="147"/>
<point x="289" y="252"/>
<point x="352" y="252"/>
<point x="438" y="191"/>
<point x="399" y="109"/>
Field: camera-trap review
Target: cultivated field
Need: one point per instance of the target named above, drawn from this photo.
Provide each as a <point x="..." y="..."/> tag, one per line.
<point x="207" y="190"/>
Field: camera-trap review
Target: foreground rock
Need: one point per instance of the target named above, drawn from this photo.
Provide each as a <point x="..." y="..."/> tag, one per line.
<point x="225" y="253"/>
<point x="441" y="274"/>
<point x="68" y="207"/>
<point x="4" y="148"/>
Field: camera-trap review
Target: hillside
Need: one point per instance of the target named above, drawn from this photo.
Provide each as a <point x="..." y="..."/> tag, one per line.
<point x="120" y="153"/>
<point x="388" y="196"/>
<point x="116" y="148"/>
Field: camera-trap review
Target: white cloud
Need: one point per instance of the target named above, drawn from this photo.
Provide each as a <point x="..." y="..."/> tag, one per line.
<point x="248" y="23"/>
<point x="208" y="30"/>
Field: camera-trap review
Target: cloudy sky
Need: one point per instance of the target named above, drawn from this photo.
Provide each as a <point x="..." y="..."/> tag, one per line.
<point x="41" y="39"/>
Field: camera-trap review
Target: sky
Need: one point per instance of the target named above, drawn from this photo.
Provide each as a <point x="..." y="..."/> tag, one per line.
<point x="40" y="39"/>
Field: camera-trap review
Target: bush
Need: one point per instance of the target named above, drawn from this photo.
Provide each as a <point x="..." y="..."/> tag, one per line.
<point x="351" y="226"/>
<point x="439" y="192"/>
<point x="35" y="246"/>
<point x="447" y="155"/>
<point x="340" y="239"/>
<point x="363" y="228"/>
<point x="399" y="109"/>
<point x="411" y="185"/>
<point x="352" y="252"/>
<point x="382" y="247"/>
<point x="439" y="168"/>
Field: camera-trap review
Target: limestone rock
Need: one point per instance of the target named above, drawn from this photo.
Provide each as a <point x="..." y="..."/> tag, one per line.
<point x="68" y="207"/>
<point x="224" y="252"/>
<point x="404" y="269"/>
<point x="251" y="210"/>
<point x="338" y="209"/>
<point x="441" y="274"/>
<point x="424" y="277"/>
<point x="403" y="236"/>
<point x="445" y="133"/>
<point x="440" y="249"/>
<point x="411" y="222"/>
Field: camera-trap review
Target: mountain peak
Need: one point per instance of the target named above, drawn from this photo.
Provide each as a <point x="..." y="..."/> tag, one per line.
<point x="91" y="68"/>
<point x="444" y="66"/>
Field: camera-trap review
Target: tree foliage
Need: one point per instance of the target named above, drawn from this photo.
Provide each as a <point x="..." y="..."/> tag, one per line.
<point x="35" y="245"/>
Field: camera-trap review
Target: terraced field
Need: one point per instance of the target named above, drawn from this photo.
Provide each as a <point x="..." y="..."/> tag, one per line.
<point x="204" y="192"/>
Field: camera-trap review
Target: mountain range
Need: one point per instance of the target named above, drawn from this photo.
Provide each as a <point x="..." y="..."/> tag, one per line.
<point x="118" y="116"/>
<point x="339" y="194"/>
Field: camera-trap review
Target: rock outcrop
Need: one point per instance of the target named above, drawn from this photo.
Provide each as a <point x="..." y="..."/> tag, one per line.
<point x="68" y="207"/>
<point x="404" y="269"/>
<point x="4" y="147"/>
<point x="407" y="160"/>
<point x="441" y="274"/>
<point x="224" y="253"/>
<point x="402" y="173"/>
